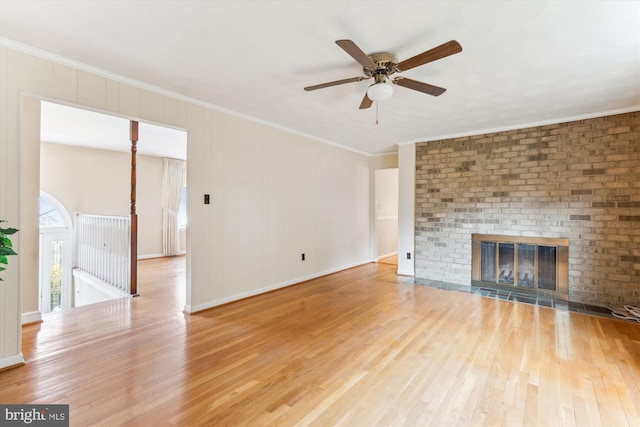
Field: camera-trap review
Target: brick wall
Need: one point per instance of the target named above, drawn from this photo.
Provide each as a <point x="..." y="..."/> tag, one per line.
<point x="578" y="180"/>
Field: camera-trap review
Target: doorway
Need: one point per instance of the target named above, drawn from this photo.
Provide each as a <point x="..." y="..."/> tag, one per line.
<point x="386" y="215"/>
<point x="85" y="160"/>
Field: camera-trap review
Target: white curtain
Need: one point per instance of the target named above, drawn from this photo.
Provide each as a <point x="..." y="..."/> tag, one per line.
<point x="173" y="181"/>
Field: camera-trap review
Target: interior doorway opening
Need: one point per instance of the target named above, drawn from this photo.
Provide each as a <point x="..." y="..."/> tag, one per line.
<point x="386" y="215"/>
<point x="86" y="162"/>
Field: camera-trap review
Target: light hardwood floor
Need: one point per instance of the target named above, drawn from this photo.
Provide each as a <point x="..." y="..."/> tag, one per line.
<point x="392" y="260"/>
<point x="359" y="347"/>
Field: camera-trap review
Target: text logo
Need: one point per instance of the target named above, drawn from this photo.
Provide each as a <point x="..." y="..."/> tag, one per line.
<point x="34" y="415"/>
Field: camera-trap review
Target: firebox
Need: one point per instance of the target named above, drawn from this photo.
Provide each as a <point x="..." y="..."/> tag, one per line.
<point x="536" y="263"/>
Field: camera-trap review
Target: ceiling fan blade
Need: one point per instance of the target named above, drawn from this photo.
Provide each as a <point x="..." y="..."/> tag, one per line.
<point x="366" y="102"/>
<point x="335" y="83"/>
<point x="356" y="53"/>
<point x="442" y="51"/>
<point x="419" y="86"/>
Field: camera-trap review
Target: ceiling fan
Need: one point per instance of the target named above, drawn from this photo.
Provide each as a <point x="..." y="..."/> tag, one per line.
<point x="382" y="65"/>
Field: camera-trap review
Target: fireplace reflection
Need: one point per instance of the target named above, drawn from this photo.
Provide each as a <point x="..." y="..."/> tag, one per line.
<point x="517" y="262"/>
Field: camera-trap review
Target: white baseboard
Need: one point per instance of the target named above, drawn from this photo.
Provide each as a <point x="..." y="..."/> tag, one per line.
<point x="150" y="256"/>
<point x="405" y="273"/>
<point x="11" y="361"/>
<point x="236" y="297"/>
<point x="386" y="255"/>
<point x="31" y="317"/>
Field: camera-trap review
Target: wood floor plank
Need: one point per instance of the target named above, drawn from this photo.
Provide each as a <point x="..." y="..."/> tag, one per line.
<point x="359" y="347"/>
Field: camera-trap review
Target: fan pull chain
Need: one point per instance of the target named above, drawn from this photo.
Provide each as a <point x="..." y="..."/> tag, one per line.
<point x="377" y="102"/>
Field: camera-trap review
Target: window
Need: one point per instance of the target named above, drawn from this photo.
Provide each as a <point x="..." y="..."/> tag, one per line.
<point x="55" y="254"/>
<point x="49" y="215"/>
<point x="182" y="211"/>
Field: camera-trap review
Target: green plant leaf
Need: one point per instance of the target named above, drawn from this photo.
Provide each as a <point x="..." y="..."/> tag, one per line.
<point x="5" y="246"/>
<point x="8" y="231"/>
<point x="7" y="251"/>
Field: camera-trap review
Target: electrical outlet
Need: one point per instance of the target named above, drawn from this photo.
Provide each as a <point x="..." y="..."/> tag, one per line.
<point x="206" y="199"/>
<point x="303" y="257"/>
<point x="408" y="255"/>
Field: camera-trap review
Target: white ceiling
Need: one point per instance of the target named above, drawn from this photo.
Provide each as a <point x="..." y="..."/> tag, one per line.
<point x="62" y="124"/>
<point x="523" y="62"/>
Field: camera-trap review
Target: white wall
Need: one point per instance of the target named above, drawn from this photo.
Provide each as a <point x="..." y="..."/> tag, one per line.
<point x="406" y="207"/>
<point x="274" y="194"/>
<point x="29" y="178"/>
<point x="89" y="290"/>
<point x="98" y="182"/>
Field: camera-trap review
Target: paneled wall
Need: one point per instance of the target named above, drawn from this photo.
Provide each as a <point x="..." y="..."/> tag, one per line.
<point x="578" y="180"/>
<point x="274" y="194"/>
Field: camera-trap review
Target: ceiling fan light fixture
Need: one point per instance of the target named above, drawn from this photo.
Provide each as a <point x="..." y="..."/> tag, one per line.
<point x="381" y="66"/>
<point x="380" y="91"/>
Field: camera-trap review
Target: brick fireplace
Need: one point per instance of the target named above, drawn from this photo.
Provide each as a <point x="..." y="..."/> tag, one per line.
<point x="578" y="181"/>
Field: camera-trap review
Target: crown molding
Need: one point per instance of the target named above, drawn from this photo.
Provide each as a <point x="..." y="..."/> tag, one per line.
<point x="525" y="125"/>
<point x="58" y="59"/>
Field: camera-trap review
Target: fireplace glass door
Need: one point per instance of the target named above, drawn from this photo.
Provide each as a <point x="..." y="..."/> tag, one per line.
<point x="519" y="264"/>
<point x="506" y="263"/>
<point x="526" y="265"/>
<point x="547" y="267"/>
<point x="488" y="266"/>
